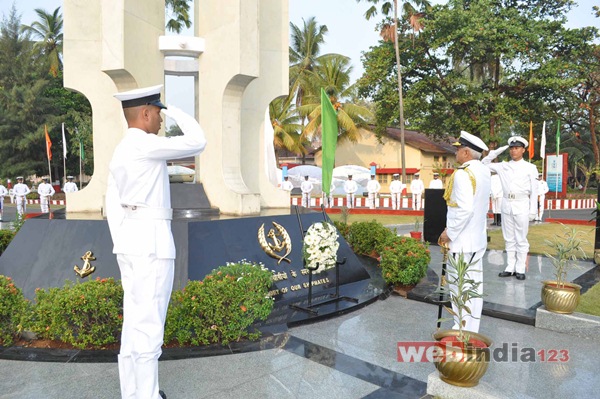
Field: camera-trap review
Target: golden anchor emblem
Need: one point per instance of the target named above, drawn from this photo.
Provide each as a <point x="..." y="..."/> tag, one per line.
<point x="87" y="268"/>
<point x="281" y="242"/>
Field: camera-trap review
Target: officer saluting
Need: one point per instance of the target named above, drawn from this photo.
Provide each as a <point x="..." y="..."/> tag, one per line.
<point x="519" y="203"/>
<point x="138" y="208"/>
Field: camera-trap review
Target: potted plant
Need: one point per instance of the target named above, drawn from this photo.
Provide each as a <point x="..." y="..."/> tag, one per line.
<point x="559" y="295"/>
<point x="416" y="232"/>
<point x="466" y="354"/>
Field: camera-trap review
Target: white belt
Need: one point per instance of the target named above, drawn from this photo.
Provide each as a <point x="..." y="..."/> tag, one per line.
<point x="139" y="212"/>
<point x="512" y="196"/>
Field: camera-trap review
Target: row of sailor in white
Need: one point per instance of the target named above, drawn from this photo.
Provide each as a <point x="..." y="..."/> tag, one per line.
<point x="3" y="192"/>
<point x="466" y="222"/>
<point x="20" y="191"/>
<point x="542" y="191"/>
<point x="138" y="207"/>
<point x="519" y="203"/>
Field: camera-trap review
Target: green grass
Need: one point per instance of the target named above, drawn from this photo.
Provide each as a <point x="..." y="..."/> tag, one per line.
<point x="539" y="233"/>
<point x="590" y="301"/>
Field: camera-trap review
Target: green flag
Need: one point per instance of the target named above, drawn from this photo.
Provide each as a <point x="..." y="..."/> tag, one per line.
<point x="329" y="133"/>
<point x="558" y="137"/>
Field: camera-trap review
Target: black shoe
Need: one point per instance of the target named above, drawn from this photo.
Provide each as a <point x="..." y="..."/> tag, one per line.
<point x="162" y="394"/>
<point x="505" y="274"/>
<point x="520" y="276"/>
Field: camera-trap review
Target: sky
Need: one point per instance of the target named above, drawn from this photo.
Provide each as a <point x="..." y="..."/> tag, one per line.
<point x="348" y="34"/>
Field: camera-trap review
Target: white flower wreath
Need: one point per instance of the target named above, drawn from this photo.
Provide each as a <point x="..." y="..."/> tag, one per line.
<point x="320" y="247"/>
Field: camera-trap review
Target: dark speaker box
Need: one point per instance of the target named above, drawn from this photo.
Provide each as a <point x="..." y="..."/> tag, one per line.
<point x="435" y="209"/>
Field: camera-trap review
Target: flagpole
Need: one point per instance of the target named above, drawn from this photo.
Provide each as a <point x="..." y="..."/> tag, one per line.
<point x="48" y="153"/>
<point x="64" y="155"/>
<point x="80" y="169"/>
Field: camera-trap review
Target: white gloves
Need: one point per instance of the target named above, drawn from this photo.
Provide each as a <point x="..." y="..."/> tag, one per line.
<point x="494" y="153"/>
<point x="172" y="112"/>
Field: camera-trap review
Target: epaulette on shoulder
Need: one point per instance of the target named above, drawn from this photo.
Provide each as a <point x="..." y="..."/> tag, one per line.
<point x="463" y="166"/>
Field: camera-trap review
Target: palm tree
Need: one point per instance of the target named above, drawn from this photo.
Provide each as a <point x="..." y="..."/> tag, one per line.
<point x="333" y="75"/>
<point x="285" y="121"/>
<point x="48" y="31"/>
<point x="180" y="11"/>
<point x="387" y="7"/>
<point x="305" y="48"/>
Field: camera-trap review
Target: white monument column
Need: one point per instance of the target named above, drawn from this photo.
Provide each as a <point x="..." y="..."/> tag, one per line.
<point x="242" y="64"/>
<point x="109" y="46"/>
<point x="244" y="67"/>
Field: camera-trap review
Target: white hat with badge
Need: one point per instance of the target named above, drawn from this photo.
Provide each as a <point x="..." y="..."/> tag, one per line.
<point x="517" y="141"/>
<point x="466" y="139"/>
<point x="141" y="96"/>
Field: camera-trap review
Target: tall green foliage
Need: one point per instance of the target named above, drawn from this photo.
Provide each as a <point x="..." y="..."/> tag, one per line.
<point x="485" y="66"/>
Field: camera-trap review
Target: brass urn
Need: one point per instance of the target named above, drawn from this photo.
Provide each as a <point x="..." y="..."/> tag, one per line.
<point x="461" y="366"/>
<point x="560" y="298"/>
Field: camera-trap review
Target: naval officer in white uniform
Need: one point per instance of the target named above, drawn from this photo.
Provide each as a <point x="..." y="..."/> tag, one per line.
<point x="70" y="187"/>
<point x="467" y="196"/>
<point x="138" y="207"/>
<point x="519" y="203"/>
<point x="20" y="192"/>
<point x="45" y="191"/>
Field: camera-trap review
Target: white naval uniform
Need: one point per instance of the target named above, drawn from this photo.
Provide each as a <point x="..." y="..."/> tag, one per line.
<point x="70" y="187"/>
<point x="496" y="194"/>
<point x="3" y="192"/>
<point x="396" y="188"/>
<point x="138" y="207"/>
<point x="542" y="191"/>
<point x="373" y="188"/>
<point x="519" y="206"/>
<point x="328" y="200"/>
<point x="466" y="223"/>
<point x="287" y="185"/>
<point x="20" y="190"/>
<point x="436" y="183"/>
<point x="350" y="187"/>
<point x="306" y="187"/>
<point x="416" y="188"/>
<point x="45" y="191"/>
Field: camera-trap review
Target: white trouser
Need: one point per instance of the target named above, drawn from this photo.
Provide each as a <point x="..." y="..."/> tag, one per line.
<point x="372" y="197"/>
<point x="44" y="201"/>
<point x="497" y="205"/>
<point x="21" y="204"/>
<point x="514" y="231"/>
<point x="396" y="204"/>
<point x="541" y="203"/>
<point x="476" y="305"/>
<point x="417" y="202"/>
<point x="306" y="200"/>
<point x="147" y="283"/>
<point x="350" y="200"/>
<point x="327" y="201"/>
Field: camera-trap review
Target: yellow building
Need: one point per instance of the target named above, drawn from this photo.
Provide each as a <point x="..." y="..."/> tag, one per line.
<point x="423" y="155"/>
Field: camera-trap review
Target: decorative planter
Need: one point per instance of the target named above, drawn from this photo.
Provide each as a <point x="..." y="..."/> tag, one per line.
<point x="416" y="235"/>
<point x="562" y="299"/>
<point x="463" y="367"/>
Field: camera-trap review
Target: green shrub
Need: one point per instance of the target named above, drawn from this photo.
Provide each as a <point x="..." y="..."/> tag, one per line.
<point x="85" y="315"/>
<point x="13" y="310"/>
<point x="222" y="307"/>
<point x="343" y="228"/>
<point x="366" y="237"/>
<point x="404" y="260"/>
<point x="6" y="237"/>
